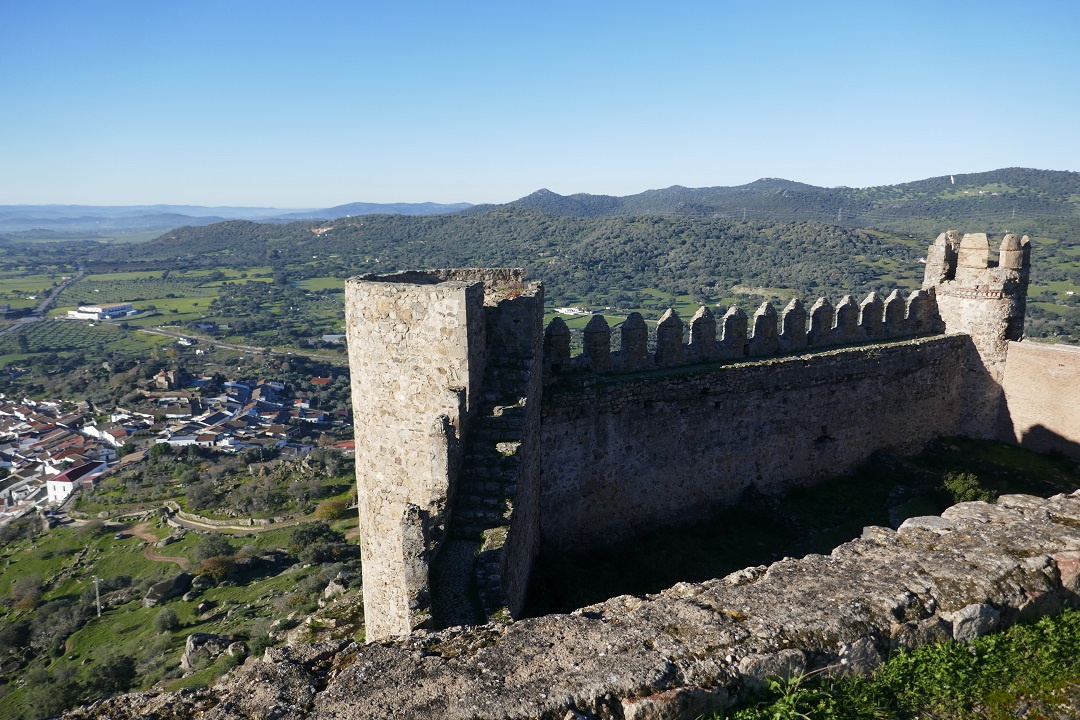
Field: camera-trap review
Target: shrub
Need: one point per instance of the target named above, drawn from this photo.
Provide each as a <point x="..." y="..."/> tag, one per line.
<point x="26" y="592"/>
<point x="159" y="450"/>
<point x="965" y="487"/>
<point x="113" y="674"/>
<point x="212" y="545"/>
<point x="166" y="621"/>
<point x="90" y="530"/>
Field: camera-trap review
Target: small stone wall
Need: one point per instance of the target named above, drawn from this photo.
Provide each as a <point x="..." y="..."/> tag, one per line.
<point x="1042" y="397"/>
<point x="623" y="454"/>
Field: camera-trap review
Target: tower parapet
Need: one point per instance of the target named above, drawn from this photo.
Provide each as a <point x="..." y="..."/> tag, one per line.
<point x="985" y="300"/>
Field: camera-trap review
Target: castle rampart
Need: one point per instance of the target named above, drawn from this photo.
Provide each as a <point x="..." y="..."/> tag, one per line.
<point x="1042" y="397"/>
<point x="458" y="458"/>
<point x="623" y="455"/>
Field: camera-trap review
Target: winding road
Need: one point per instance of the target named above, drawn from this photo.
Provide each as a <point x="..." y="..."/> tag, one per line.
<point x="142" y="531"/>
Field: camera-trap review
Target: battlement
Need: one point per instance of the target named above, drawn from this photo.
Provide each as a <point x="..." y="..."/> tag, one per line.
<point x="965" y="260"/>
<point x="766" y="333"/>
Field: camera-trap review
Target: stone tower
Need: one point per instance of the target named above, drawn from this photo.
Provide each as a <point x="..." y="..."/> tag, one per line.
<point x="427" y="351"/>
<point x="985" y="300"/>
<point x="415" y="372"/>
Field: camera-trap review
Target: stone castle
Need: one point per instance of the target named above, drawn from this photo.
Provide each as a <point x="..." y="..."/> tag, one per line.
<point x="481" y="442"/>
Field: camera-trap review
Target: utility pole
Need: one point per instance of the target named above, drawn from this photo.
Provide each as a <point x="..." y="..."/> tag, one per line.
<point x="1014" y="214"/>
<point x="97" y="595"/>
<point x="839" y="214"/>
<point x="744" y="214"/>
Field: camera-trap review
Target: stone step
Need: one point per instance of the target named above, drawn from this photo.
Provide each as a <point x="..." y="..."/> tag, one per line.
<point x="456" y="599"/>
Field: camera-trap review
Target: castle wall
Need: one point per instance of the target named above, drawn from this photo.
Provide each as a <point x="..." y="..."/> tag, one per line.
<point x="622" y="454"/>
<point x="1042" y="397"/>
<point x="416" y="352"/>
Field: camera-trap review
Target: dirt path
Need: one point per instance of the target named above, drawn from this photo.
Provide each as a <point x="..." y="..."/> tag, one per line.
<point x="142" y="531"/>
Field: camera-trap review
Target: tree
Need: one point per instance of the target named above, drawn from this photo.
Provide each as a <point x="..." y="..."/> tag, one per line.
<point x="166" y="621"/>
<point x="219" y="567"/>
<point x="316" y="542"/>
<point x="14" y="636"/>
<point x="213" y="545"/>
<point x="90" y="530"/>
<point x="111" y="675"/>
<point x="332" y="509"/>
<point x="199" y="495"/>
<point x="160" y="450"/>
<point x="26" y="592"/>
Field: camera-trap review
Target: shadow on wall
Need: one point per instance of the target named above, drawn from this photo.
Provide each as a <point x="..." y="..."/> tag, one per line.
<point x="1041" y="439"/>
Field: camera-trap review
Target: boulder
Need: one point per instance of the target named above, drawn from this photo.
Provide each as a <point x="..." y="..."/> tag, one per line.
<point x="175" y="586"/>
<point x="624" y="656"/>
<point x="203" y="646"/>
<point x="974" y="621"/>
<point x="334" y="588"/>
<point x="684" y="702"/>
<point x="202" y="582"/>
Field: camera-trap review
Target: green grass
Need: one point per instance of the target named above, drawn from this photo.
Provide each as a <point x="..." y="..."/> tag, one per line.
<point x="127" y="628"/>
<point x="1026" y="670"/>
<point x="322" y="283"/>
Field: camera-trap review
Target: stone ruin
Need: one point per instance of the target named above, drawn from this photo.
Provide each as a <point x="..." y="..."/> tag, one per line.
<point x="481" y="442"/>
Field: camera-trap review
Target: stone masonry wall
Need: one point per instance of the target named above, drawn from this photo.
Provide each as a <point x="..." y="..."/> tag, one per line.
<point x="1042" y="397"/>
<point x="416" y="351"/>
<point x="621" y="454"/>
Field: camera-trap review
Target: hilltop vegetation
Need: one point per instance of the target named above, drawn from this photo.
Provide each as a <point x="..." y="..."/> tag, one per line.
<point x="576" y="257"/>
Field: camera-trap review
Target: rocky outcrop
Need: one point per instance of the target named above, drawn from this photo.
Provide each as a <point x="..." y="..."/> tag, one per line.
<point x="687" y="650"/>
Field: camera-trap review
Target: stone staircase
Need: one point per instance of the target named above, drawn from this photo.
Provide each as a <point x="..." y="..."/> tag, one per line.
<point x="467" y="576"/>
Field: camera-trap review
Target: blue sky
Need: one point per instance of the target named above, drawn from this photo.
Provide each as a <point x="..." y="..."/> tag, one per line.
<point x="294" y="105"/>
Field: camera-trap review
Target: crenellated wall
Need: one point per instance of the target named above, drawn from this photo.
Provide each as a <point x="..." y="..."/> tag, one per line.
<point x="736" y="337"/>
<point x="603" y="445"/>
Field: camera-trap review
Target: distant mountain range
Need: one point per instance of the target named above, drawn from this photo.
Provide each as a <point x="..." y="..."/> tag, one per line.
<point x="136" y="218"/>
<point x="1010" y="200"/>
<point x="998" y="193"/>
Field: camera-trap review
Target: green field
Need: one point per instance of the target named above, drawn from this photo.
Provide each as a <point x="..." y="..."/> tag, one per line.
<point x="67" y="336"/>
<point x="25" y="290"/>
